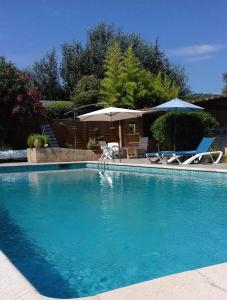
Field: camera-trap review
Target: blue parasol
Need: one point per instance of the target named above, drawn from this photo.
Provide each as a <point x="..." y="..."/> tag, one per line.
<point x="176" y="105"/>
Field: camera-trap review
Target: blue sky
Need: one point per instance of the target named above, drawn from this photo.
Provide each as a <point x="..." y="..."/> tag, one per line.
<point x="192" y="33"/>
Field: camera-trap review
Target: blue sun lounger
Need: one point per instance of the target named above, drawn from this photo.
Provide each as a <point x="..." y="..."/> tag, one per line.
<point x="201" y="151"/>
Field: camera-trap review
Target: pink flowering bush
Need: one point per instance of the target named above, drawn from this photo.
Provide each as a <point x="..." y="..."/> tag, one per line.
<point x="19" y="102"/>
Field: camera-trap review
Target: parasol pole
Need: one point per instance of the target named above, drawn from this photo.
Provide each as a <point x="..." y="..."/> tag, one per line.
<point x="120" y="134"/>
<point x="175" y="131"/>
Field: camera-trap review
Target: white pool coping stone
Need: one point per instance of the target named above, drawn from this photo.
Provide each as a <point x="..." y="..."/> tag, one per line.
<point x="201" y="284"/>
<point x="209" y="283"/>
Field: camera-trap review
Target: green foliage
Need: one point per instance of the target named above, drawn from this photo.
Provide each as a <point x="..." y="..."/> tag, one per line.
<point x="31" y="139"/>
<point x="55" y="106"/>
<point x="161" y="89"/>
<point x="45" y="75"/>
<point x="73" y="64"/>
<point x="132" y="79"/>
<point x="91" y="143"/>
<point x="35" y="136"/>
<point x="127" y="84"/>
<point x="59" y="81"/>
<point x="196" y="96"/>
<point x="191" y="127"/>
<point x="86" y="91"/>
<point x="57" y="109"/>
<point x="18" y="101"/>
<point x="178" y="76"/>
<point x="224" y="91"/>
<point x="102" y="36"/>
<point x="110" y="92"/>
<point x="99" y="39"/>
<point x="5" y="147"/>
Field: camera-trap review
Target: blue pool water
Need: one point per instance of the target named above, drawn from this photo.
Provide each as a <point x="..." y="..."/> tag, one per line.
<point x="75" y="233"/>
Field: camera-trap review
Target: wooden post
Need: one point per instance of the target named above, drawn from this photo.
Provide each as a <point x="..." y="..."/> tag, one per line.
<point x="120" y="134"/>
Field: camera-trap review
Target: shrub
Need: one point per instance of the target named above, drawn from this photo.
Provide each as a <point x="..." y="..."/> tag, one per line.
<point x="191" y="127"/>
<point x="86" y="91"/>
<point x="56" y="109"/>
<point x="54" y="106"/>
<point x="19" y="104"/>
<point x="35" y="136"/>
<point x="5" y="147"/>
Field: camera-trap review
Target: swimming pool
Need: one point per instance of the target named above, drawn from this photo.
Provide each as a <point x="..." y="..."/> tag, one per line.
<point x="76" y="233"/>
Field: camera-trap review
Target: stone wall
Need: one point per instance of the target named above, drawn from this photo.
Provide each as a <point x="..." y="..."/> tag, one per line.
<point x="59" y="155"/>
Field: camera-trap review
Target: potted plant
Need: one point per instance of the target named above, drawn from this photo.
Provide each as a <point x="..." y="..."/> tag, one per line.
<point x="37" y="141"/>
<point x="92" y="144"/>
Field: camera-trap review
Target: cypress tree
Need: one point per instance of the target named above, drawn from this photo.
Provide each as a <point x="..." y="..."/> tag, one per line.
<point x="110" y="91"/>
<point x="132" y="77"/>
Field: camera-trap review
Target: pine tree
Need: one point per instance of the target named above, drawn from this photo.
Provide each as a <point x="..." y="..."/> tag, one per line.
<point x="110" y="91"/>
<point x="131" y="77"/>
<point x="127" y="84"/>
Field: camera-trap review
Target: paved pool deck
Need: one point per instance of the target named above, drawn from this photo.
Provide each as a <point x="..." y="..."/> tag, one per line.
<point x="209" y="283"/>
<point x="145" y="161"/>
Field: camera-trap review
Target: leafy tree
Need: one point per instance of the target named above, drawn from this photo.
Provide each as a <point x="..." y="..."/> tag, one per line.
<point x="178" y="76"/>
<point x="45" y="76"/>
<point x="137" y="88"/>
<point x="162" y="88"/>
<point x="19" y="103"/>
<point x="89" y="59"/>
<point x="72" y="64"/>
<point x="99" y="39"/>
<point x="154" y="60"/>
<point x="195" y="96"/>
<point x="128" y="84"/>
<point x="132" y="79"/>
<point x="86" y="91"/>
<point x="191" y="127"/>
<point x="141" y="87"/>
<point x="110" y="91"/>
<point x="224" y="91"/>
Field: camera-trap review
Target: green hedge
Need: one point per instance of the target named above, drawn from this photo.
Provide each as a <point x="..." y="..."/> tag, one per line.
<point x="191" y="127"/>
<point x="55" y="106"/>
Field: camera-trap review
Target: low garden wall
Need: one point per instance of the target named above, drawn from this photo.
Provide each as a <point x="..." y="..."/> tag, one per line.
<point x="59" y="155"/>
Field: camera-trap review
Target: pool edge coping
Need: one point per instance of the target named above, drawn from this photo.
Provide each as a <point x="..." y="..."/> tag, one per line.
<point x="127" y="164"/>
<point x="179" y="286"/>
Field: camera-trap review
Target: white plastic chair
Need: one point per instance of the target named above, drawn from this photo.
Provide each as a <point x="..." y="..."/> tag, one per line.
<point x="115" y="147"/>
<point x="107" y="153"/>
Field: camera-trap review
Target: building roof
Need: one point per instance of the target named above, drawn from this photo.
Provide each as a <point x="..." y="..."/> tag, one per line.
<point x="210" y="99"/>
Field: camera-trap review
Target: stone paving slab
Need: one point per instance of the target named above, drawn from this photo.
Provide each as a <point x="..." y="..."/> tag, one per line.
<point x="12" y="283"/>
<point x="191" y="285"/>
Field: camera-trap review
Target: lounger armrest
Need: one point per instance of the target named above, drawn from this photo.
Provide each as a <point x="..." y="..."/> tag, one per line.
<point x="200" y="155"/>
